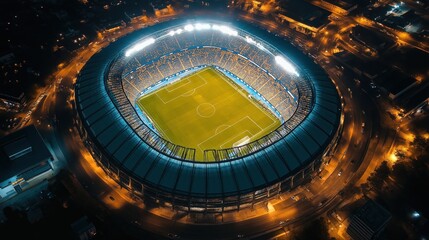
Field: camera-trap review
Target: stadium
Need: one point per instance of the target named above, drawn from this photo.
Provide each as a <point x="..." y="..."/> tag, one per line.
<point x="206" y="116"/>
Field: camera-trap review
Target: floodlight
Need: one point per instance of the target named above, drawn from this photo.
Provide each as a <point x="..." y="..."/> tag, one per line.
<point x="202" y="26"/>
<point x="139" y="46"/>
<point x="250" y="40"/>
<point x="225" y="29"/>
<point x="189" y="28"/>
<point x="286" y="65"/>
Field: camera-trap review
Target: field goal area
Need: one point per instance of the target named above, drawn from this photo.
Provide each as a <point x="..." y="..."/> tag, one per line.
<point x="207" y="110"/>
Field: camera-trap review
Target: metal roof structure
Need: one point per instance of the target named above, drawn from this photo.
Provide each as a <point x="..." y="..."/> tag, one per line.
<point x="21" y="151"/>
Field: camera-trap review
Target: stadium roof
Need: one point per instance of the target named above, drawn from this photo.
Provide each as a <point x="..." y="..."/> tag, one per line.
<point x="126" y="150"/>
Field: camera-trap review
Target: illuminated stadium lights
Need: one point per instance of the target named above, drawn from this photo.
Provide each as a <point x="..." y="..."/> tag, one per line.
<point x="283" y="63"/>
<point x="225" y="29"/>
<point x="202" y="26"/>
<point x="178" y="31"/>
<point x="189" y="28"/>
<point x="139" y="46"/>
<point x="251" y="41"/>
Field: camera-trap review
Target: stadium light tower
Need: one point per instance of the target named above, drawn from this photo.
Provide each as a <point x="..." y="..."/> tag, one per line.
<point x="139" y="46"/>
<point x="286" y="65"/>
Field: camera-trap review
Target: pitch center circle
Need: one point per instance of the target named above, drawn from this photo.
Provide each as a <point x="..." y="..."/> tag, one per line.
<point x="206" y="110"/>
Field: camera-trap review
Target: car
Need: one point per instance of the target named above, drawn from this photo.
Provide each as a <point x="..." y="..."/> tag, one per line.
<point x="340" y="172"/>
<point x="295" y="198"/>
<point x="173" y="236"/>
<point x="283" y="222"/>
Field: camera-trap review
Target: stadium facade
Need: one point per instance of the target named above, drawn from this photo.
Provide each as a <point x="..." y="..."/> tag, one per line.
<point x="154" y="169"/>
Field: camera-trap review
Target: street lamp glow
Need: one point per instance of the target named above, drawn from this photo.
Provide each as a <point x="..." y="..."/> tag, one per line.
<point x="139" y="46"/>
<point x="287" y="66"/>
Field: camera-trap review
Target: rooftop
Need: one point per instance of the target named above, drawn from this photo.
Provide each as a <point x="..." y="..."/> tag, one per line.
<point x="369" y="38"/>
<point x="344" y="4"/>
<point x="305" y="13"/>
<point x="368" y="220"/>
<point x="398" y="16"/>
<point x="20" y="151"/>
<point x="395" y="81"/>
<point x="369" y="68"/>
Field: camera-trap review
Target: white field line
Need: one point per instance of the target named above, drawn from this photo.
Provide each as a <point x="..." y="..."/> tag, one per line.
<point x="214" y="135"/>
<point x="178" y="96"/>
<point x="246" y="97"/>
<point x="232" y="139"/>
<point x="154" y="122"/>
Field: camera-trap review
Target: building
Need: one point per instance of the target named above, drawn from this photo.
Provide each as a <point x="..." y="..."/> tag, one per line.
<point x="111" y="26"/>
<point x="369" y="69"/>
<point x="340" y="7"/>
<point x="7" y="58"/>
<point x="303" y="16"/>
<point x="12" y="102"/>
<point x="368" y="221"/>
<point x="396" y="83"/>
<point x="369" y="41"/>
<point x="83" y="229"/>
<point x="399" y="17"/>
<point x="25" y="161"/>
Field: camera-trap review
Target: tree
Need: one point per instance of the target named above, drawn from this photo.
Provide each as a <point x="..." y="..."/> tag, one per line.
<point x="376" y="180"/>
<point x="419" y="145"/>
<point x="316" y="229"/>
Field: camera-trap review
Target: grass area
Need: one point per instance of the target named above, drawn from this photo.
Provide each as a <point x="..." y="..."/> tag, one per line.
<point x="207" y="110"/>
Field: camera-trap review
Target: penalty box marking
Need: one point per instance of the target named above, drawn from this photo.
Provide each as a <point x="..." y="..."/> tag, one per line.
<point x="235" y="139"/>
<point x="251" y="126"/>
<point x="181" y="82"/>
<point x="167" y="96"/>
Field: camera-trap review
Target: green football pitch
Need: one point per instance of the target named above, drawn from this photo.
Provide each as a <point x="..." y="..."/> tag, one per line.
<point x="207" y="110"/>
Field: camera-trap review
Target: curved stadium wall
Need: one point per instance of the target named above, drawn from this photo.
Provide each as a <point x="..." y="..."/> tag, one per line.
<point x="133" y="154"/>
